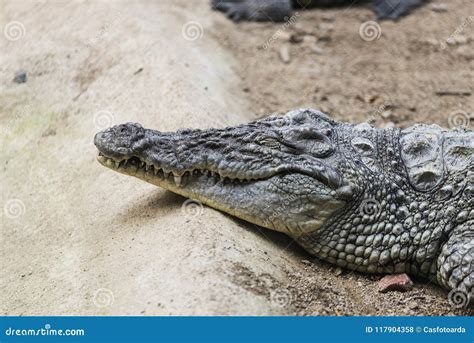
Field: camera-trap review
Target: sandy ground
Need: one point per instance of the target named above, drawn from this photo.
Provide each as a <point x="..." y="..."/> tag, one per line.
<point x="78" y="239"/>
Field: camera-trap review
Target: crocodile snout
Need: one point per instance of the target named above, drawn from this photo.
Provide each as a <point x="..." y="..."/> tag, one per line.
<point x="119" y="141"/>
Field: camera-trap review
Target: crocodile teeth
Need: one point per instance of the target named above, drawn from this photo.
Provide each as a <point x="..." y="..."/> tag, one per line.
<point x="177" y="180"/>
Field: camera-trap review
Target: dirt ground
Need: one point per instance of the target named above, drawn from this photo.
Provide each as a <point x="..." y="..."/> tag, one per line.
<point x="77" y="239"/>
<point x="394" y="79"/>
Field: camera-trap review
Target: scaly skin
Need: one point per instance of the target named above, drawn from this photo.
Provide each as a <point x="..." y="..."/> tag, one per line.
<point x="366" y="199"/>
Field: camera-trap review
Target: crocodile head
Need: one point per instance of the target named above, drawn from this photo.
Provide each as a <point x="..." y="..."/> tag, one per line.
<point x="282" y="173"/>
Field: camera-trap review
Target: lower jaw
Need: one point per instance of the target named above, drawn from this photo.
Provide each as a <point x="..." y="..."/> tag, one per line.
<point x="198" y="187"/>
<point x="189" y="189"/>
<point x="194" y="192"/>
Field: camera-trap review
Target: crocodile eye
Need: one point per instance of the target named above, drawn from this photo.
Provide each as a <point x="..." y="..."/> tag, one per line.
<point x="363" y="145"/>
<point x="308" y="140"/>
<point x="319" y="148"/>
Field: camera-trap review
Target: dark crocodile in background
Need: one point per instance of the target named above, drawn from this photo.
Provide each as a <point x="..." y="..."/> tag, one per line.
<point x="366" y="199"/>
<point x="280" y="10"/>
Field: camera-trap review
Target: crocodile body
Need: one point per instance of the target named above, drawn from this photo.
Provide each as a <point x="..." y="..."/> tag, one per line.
<point x="366" y="199"/>
<point x="280" y="10"/>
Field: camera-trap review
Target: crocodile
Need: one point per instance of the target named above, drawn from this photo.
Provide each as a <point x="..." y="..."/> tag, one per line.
<point x="363" y="198"/>
<point x="280" y="10"/>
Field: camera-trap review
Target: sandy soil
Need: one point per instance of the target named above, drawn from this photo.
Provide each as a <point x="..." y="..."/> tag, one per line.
<point x="392" y="80"/>
<point x="78" y="239"/>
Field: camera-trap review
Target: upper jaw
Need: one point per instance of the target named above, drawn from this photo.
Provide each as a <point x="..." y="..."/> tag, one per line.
<point x="154" y="173"/>
<point x="148" y="170"/>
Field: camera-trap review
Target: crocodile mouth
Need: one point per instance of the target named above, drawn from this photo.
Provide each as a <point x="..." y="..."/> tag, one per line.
<point x="150" y="172"/>
<point x="159" y="175"/>
<point x="242" y="197"/>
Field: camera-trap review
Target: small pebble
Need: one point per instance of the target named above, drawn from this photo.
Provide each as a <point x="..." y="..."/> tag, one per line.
<point x="285" y="36"/>
<point x="317" y="50"/>
<point x="20" y="77"/>
<point x="395" y="282"/>
<point x="386" y="114"/>
<point x="285" y="54"/>
<point x="328" y="18"/>
<point x="466" y="52"/>
<point x="431" y="41"/>
<point x="296" y="38"/>
<point x="460" y="39"/>
<point x="413" y="305"/>
<point x="439" y="7"/>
